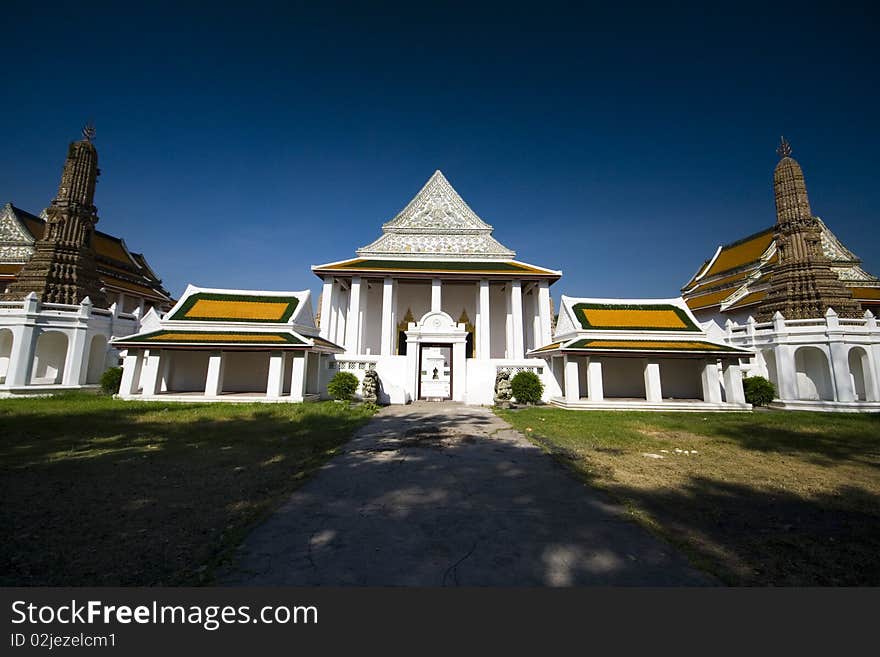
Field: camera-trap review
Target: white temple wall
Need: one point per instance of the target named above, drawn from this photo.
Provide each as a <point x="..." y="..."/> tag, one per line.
<point x="6" y="340"/>
<point x="245" y="371"/>
<point x="813" y="374"/>
<point x="371" y="307"/>
<point x="623" y="377"/>
<point x="50" y="356"/>
<point x="680" y="378"/>
<point x="97" y="358"/>
<point x="414" y="296"/>
<point x="457" y="296"/>
<point x="188" y="370"/>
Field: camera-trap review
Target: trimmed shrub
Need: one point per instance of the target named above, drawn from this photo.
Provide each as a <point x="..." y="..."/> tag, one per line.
<point x="527" y="388"/>
<point x="759" y="391"/>
<point x="342" y="386"/>
<point x="111" y="379"/>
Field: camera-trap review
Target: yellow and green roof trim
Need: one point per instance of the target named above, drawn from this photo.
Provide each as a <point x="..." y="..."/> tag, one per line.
<point x="488" y="267"/>
<point x="184" y="337"/>
<point x="222" y="307"/>
<point x="633" y="317"/>
<point x="642" y="346"/>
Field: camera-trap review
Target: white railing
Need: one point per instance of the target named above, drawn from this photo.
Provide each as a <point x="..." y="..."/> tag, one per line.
<point x="516" y="368"/>
<point x="352" y="363"/>
<point x="829" y="323"/>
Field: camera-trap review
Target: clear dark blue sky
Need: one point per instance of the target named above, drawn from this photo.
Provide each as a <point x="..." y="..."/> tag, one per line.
<point x="239" y="146"/>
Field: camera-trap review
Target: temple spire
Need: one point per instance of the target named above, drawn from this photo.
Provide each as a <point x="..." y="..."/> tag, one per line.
<point x="790" y="187"/>
<point x="802" y="284"/>
<point x="62" y="268"/>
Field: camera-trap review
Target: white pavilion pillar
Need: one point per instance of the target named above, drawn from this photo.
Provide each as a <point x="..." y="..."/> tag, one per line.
<point x="436" y="295"/>
<point x="388" y="294"/>
<point x="733" y="383"/>
<point x="516" y="315"/>
<point x="326" y="307"/>
<point x="544" y="311"/>
<point x="572" y="382"/>
<point x="298" y="376"/>
<point x="653" y="389"/>
<point x="275" y="380"/>
<point x="131" y="373"/>
<point x="483" y="321"/>
<point x="595" y="389"/>
<point x="165" y="371"/>
<point x="214" y="381"/>
<point x="152" y="363"/>
<point x="536" y="320"/>
<point x="352" y="320"/>
<point x="711" y="382"/>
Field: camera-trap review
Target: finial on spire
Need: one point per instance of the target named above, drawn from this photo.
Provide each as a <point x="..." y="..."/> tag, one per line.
<point x="784" y="149"/>
<point x="88" y="131"/>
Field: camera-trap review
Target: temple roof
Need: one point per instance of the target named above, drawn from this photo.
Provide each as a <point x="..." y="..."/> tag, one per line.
<point x="240" y="319"/>
<point x="119" y="269"/>
<point x="631" y="327"/>
<point x="436" y="222"/>
<point x="738" y="274"/>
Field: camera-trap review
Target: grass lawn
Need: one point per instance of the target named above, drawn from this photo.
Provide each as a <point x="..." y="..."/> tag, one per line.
<point x="764" y="498"/>
<point x="102" y="492"/>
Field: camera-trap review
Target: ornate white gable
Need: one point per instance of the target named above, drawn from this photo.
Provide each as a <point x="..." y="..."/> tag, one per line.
<point x="15" y="241"/>
<point x="437" y="222"/>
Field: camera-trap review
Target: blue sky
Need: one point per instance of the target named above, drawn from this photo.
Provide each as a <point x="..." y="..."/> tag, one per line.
<point x="241" y="145"/>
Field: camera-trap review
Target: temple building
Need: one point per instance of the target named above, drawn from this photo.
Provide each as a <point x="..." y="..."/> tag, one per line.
<point x="795" y="295"/>
<point x="66" y="288"/>
<point x="438" y="309"/>
<point x="228" y="345"/>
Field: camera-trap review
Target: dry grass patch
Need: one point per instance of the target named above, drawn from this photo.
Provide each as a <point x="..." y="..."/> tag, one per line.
<point x="761" y="498"/>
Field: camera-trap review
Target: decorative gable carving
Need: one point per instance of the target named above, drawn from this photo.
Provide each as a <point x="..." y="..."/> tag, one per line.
<point x="16" y="243"/>
<point x="437" y="222"/>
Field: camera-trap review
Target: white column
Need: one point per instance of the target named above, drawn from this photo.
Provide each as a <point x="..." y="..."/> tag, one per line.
<point x="536" y="320"/>
<point x="165" y="371"/>
<point x="595" y="390"/>
<point x="484" y="325"/>
<point x="572" y="382"/>
<point x="459" y="372"/>
<point x="711" y="382"/>
<point x="298" y="376"/>
<point x="352" y="320"/>
<point x="341" y="306"/>
<point x="516" y="327"/>
<point x="436" y="295"/>
<point x="786" y="374"/>
<point x="843" y="382"/>
<point x="733" y="384"/>
<point x="653" y="389"/>
<point x="152" y="362"/>
<point x="387" y="344"/>
<point x="21" y="357"/>
<point x="74" y="372"/>
<point x="214" y="381"/>
<point x="275" y="380"/>
<point x="326" y="306"/>
<point x="131" y="373"/>
<point x="544" y="312"/>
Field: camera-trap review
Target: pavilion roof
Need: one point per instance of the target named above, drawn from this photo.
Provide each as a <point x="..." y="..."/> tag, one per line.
<point x="631" y="346"/>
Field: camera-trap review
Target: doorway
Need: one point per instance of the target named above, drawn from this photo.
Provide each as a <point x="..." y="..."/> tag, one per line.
<point x="435" y="371"/>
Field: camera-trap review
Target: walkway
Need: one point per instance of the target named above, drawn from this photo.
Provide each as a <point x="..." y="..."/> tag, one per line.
<point x="442" y="495"/>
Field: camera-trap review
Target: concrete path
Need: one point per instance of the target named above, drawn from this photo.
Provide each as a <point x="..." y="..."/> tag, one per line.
<point x="448" y="495"/>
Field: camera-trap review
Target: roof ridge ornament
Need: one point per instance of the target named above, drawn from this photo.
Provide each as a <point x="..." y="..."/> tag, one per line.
<point x="784" y="148"/>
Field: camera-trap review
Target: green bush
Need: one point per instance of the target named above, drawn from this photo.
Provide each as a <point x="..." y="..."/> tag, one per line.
<point x="111" y="379"/>
<point x="342" y="386"/>
<point x="527" y="388"/>
<point x="759" y="391"/>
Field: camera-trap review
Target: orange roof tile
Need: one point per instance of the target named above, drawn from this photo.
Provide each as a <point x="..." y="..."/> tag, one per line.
<point x="739" y="254"/>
